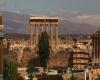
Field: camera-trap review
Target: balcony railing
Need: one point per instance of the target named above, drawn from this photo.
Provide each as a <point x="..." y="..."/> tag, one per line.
<point x="1" y="34"/>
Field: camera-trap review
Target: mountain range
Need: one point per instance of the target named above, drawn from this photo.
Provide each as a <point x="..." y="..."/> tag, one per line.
<point x="18" y="23"/>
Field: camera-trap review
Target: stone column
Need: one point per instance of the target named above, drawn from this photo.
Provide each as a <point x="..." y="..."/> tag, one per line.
<point x="51" y="34"/>
<point x="36" y="28"/>
<point x="56" y="35"/>
<point x="31" y="36"/>
<point x="42" y="28"/>
<point x="46" y="27"/>
<point x="39" y="30"/>
<point x="35" y="34"/>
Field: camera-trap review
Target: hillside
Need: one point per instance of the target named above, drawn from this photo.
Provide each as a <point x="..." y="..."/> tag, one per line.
<point x="18" y="23"/>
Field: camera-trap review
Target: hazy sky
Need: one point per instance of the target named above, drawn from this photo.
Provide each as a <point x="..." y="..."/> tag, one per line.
<point x="75" y="10"/>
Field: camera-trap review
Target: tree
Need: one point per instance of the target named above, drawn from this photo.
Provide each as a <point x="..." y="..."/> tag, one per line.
<point x="31" y="67"/>
<point x="70" y="58"/>
<point x="10" y="71"/>
<point x="44" y="49"/>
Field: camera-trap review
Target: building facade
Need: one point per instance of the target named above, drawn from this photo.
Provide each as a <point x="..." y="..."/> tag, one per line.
<point x="80" y="58"/>
<point x="96" y="48"/>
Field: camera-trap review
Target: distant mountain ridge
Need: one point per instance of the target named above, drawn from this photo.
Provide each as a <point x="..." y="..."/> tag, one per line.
<point x="18" y="23"/>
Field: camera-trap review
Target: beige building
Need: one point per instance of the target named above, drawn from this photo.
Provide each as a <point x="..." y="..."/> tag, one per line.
<point x="80" y="58"/>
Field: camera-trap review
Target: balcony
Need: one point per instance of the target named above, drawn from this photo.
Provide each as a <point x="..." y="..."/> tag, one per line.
<point x="1" y="34"/>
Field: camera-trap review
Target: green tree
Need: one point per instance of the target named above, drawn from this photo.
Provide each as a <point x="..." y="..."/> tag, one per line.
<point x="31" y="67"/>
<point x="10" y="71"/>
<point x="44" y="49"/>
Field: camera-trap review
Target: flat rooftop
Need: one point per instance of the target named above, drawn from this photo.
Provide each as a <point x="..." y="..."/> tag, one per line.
<point x="44" y="17"/>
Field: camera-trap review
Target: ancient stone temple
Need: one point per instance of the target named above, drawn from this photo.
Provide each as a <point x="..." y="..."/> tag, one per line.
<point x="40" y="24"/>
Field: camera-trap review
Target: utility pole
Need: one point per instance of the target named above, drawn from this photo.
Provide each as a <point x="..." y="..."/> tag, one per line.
<point x="1" y="46"/>
<point x="85" y="73"/>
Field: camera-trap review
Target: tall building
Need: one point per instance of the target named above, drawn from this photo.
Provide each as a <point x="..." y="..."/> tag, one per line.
<point x="1" y="46"/>
<point x="96" y="47"/>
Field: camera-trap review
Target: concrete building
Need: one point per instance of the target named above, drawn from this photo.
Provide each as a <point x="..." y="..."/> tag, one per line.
<point x="80" y="58"/>
<point x="77" y="58"/>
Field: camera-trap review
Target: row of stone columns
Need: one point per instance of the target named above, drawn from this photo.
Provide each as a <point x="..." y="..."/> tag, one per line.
<point x="51" y="29"/>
